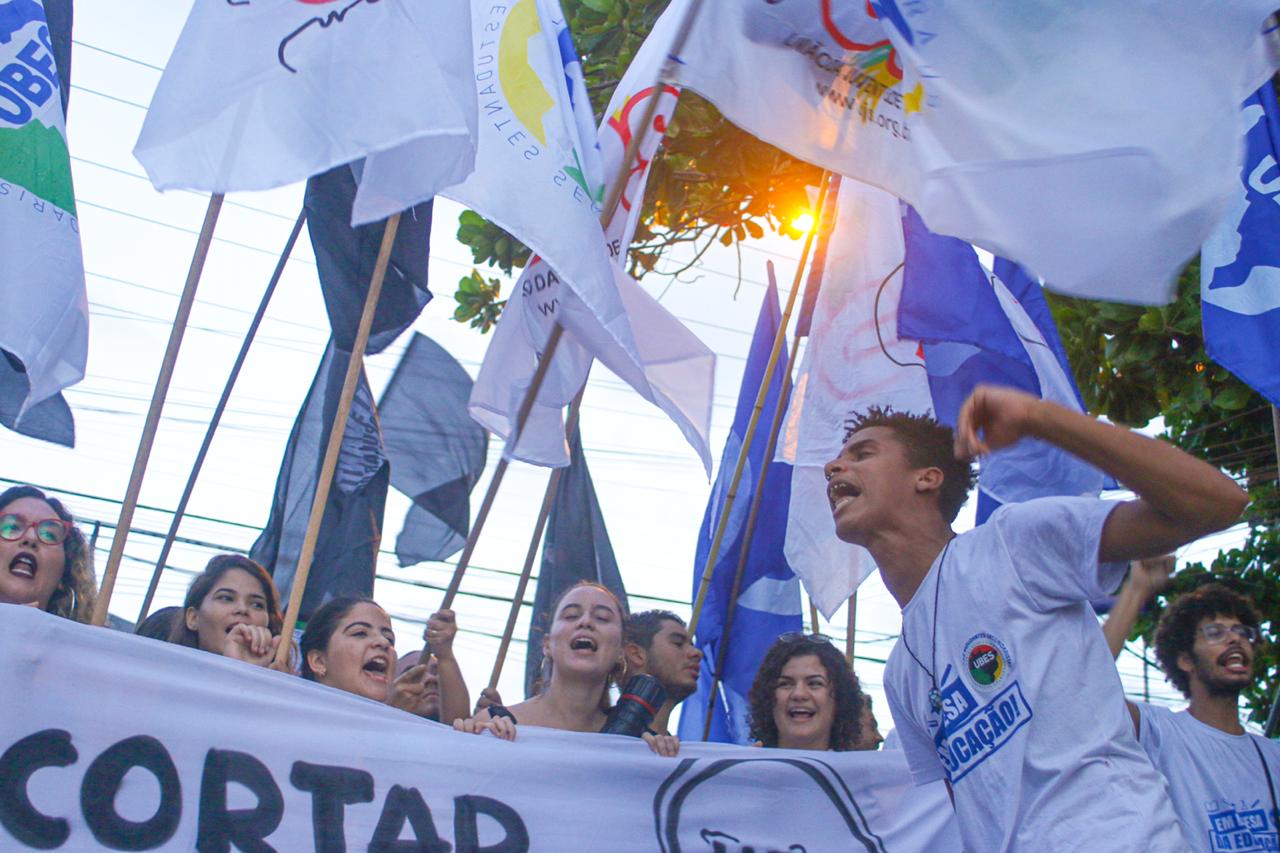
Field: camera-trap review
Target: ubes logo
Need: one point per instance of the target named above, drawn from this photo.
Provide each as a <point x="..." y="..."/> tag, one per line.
<point x="987" y="660"/>
<point x="690" y="817"/>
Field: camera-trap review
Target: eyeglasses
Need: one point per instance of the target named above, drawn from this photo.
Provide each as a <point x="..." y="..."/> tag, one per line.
<point x="50" y="531"/>
<point x="1216" y="632"/>
<point x="798" y="637"/>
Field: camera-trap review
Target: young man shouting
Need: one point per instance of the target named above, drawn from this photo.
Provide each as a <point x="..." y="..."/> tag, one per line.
<point x="1001" y="682"/>
<point x="1224" y="782"/>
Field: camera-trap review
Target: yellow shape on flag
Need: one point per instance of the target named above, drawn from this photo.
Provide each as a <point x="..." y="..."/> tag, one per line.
<point x="911" y="101"/>
<point x="524" y="91"/>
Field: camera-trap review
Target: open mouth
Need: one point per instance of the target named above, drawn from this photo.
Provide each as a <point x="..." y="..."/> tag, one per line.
<point x="376" y="667"/>
<point x="801" y="715"/>
<point x="1235" y="662"/>
<point x="840" y="493"/>
<point x="582" y="644"/>
<point x="24" y="565"/>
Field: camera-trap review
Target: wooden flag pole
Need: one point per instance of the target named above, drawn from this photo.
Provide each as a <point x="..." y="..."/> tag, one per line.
<point x="813" y="617"/>
<point x="152" y="422"/>
<point x="334" y="448"/>
<point x="517" y="601"/>
<point x="725" y="511"/>
<point x="609" y="209"/>
<point x="748" y="533"/>
<point x="853" y="625"/>
<point x="217" y="417"/>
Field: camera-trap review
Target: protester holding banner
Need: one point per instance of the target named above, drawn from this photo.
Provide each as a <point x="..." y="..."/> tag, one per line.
<point x="582" y="656"/>
<point x="349" y="644"/>
<point x="1003" y="685"/>
<point x="805" y="696"/>
<point x="44" y="557"/>
<point x="1222" y="779"/>
<point x="231" y="608"/>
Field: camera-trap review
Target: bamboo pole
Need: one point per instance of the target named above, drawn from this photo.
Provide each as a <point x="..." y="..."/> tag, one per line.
<point x="778" y="339"/>
<point x="153" y="413"/>
<point x="334" y="448"/>
<point x="609" y="209"/>
<point x="217" y="417"/>
<point x="853" y="624"/>
<point x="748" y="531"/>
<point x="548" y="498"/>
<point x="813" y="617"/>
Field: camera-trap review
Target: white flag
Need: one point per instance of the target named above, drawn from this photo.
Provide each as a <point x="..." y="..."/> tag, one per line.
<point x="853" y="359"/>
<point x="260" y="94"/>
<point x="44" y="314"/>
<point x="1094" y="143"/>
<point x="541" y="195"/>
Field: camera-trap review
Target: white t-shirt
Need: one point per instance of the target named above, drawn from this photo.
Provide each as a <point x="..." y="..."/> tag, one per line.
<point x="1037" y="741"/>
<point x="1216" y="780"/>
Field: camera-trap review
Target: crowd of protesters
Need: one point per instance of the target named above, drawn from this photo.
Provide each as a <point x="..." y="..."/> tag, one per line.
<point x="1002" y="684"/>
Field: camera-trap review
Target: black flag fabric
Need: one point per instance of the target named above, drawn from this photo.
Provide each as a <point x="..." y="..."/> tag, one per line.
<point x="345" y="257"/>
<point x="50" y="419"/>
<point x="437" y="452"/>
<point x="576" y="549"/>
<point x="351" y="530"/>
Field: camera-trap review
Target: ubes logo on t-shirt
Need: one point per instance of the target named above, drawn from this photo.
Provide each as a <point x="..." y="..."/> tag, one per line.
<point x="987" y="660"/>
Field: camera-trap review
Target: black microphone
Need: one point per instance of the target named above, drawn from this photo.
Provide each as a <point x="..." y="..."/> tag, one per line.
<point x="641" y="698"/>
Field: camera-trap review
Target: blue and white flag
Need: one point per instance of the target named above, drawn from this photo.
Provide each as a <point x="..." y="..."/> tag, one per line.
<point x="974" y="330"/>
<point x="1053" y="133"/>
<point x="769" y="598"/>
<point x="1240" y="262"/>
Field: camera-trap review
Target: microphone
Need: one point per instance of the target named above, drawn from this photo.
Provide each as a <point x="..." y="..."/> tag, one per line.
<point x="641" y="698"/>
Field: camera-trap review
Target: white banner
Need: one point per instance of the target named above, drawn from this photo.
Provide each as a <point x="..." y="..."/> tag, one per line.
<point x="1095" y="143"/>
<point x="108" y="740"/>
<point x="259" y="94"/>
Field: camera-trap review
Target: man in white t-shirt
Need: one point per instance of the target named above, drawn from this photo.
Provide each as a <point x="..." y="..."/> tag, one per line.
<point x="1001" y="682"/>
<point x="1224" y="781"/>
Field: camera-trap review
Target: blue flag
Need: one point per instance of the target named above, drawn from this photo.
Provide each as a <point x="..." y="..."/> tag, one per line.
<point x="769" y="598"/>
<point x="975" y="327"/>
<point x="1240" y="262"/>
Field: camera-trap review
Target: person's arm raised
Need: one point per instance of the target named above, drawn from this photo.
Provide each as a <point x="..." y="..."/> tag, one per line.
<point x="455" y="699"/>
<point x="1179" y="497"/>
<point x="1146" y="578"/>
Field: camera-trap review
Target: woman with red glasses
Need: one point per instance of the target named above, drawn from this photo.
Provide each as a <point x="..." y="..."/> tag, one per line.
<point x="44" y="559"/>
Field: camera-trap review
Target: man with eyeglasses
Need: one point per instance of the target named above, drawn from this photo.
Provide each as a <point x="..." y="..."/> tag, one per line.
<point x="1222" y="780"/>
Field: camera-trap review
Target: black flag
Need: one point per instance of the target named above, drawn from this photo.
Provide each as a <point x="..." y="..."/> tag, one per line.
<point x="351" y="530"/>
<point x="576" y="549"/>
<point x="437" y="451"/>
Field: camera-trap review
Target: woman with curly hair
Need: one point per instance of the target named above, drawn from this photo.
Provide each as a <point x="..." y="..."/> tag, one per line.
<point x="44" y="558"/>
<point x="805" y="696"/>
<point x="232" y="608"/>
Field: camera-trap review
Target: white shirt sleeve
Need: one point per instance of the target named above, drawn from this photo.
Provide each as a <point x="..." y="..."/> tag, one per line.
<point x="1152" y="720"/>
<point x="1053" y="543"/>
<point x="915" y="743"/>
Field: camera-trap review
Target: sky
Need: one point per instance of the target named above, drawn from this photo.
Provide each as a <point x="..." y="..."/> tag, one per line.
<point x="137" y="247"/>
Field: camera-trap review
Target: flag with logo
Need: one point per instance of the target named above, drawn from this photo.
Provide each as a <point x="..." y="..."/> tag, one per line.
<point x="768" y="602"/>
<point x="262" y="94"/>
<point x="436" y="451"/>
<point x="1240" y="262"/>
<point x="1008" y="124"/>
<point x="541" y="175"/>
<point x="576" y="549"/>
<point x="346" y="549"/>
<point x="910" y="320"/>
<point x="44" y="313"/>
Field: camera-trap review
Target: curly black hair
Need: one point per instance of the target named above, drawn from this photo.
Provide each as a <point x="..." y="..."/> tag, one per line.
<point x="1176" y="633"/>
<point x="929" y="444"/>
<point x="845" y="728"/>
<point x="77" y="591"/>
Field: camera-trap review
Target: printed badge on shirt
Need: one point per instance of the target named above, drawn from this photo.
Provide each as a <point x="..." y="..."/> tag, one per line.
<point x="1241" y="827"/>
<point x="971" y="730"/>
